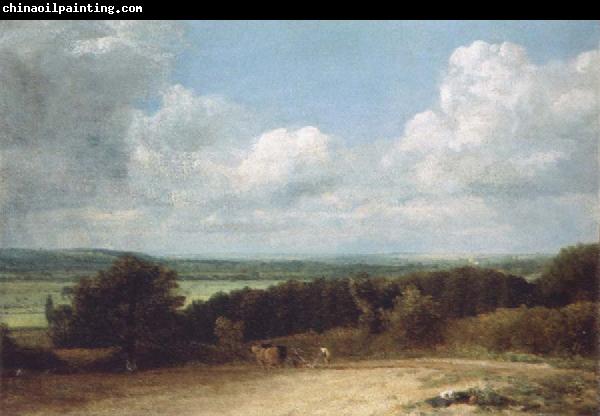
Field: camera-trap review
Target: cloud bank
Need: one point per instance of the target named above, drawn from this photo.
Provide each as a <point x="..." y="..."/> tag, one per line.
<point x="506" y="159"/>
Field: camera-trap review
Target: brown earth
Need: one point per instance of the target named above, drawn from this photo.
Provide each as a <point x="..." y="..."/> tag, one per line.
<point x="346" y="388"/>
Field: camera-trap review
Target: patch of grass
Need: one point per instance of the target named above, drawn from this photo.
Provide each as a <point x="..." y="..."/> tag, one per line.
<point x="439" y="380"/>
<point x="488" y="397"/>
<point x="409" y="407"/>
<point x="521" y="358"/>
<point x="563" y="393"/>
<point x="32" y="337"/>
<point x="480" y="353"/>
<point x="455" y="377"/>
<point x="576" y="363"/>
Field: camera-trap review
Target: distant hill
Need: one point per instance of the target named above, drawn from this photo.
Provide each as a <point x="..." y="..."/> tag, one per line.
<point x="72" y="264"/>
<point x="18" y="260"/>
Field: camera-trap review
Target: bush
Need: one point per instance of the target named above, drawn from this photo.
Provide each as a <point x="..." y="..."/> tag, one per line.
<point x="581" y="328"/>
<point x="539" y="330"/>
<point x="485" y="397"/>
<point x="59" y="327"/>
<point x="12" y="356"/>
<point x="230" y="335"/>
<point x="415" y="320"/>
<point x="572" y="277"/>
<point x="295" y="307"/>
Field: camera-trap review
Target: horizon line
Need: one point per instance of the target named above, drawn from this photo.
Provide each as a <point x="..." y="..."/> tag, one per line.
<point x="155" y="253"/>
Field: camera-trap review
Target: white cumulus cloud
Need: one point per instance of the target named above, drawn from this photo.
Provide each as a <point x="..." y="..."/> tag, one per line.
<point x="505" y="159"/>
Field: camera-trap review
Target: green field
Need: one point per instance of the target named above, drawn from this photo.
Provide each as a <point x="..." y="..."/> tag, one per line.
<point x="22" y="302"/>
<point x="203" y="289"/>
<point x="27" y="277"/>
<point x="71" y="265"/>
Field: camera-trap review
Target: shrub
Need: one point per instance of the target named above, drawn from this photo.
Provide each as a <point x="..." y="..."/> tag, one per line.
<point x="572" y="277"/>
<point x="12" y="356"/>
<point x="581" y="328"/>
<point x="415" y="319"/>
<point x="539" y="330"/>
<point x="60" y="326"/>
<point x="230" y="334"/>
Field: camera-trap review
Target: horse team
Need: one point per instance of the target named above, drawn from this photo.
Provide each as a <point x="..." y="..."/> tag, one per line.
<point x="271" y="356"/>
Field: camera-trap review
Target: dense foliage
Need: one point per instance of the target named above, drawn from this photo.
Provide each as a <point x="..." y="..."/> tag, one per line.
<point x="415" y="320"/>
<point x="288" y="308"/>
<point x="294" y="307"/>
<point x="570" y="330"/>
<point x="134" y="305"/>
<point x="572" y="276"/>
<point x="14" y="356"/>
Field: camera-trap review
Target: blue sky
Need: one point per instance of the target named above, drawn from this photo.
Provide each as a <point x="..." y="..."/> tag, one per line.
<point x="299" y="137"/>
<point x="360" y="80"/>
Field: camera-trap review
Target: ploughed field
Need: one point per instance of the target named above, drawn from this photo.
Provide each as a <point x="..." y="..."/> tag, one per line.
<point x="361" y="388"/>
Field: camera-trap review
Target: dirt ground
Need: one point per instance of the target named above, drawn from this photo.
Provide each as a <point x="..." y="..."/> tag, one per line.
<point x="348" y="388"/>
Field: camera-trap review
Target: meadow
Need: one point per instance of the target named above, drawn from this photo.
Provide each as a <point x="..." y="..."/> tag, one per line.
<point x="22" y="301"/>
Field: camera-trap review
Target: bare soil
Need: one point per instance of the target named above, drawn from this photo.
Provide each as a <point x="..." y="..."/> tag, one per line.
<point x="344" y="388"/>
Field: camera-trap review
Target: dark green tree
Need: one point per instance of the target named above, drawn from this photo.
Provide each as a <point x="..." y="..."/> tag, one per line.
<point x="15" y="356"/>
<point x="572" y="277"/>
<point x="366" y="293"/>
<point x="49" y="309"/>
<point x="132" y="305"/>
<point x="415" y="320"/>
<point x="60" y="326"/>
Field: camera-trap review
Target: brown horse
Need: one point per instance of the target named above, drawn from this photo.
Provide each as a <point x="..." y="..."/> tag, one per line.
<point x="268" y="356"/>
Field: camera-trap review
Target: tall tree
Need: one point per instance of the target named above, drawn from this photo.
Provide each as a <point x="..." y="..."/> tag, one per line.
<point x="131" y="305"/>
<point x="49" y="309"/>
<point x="572" y="276"/>
<point x="415" y="319"/>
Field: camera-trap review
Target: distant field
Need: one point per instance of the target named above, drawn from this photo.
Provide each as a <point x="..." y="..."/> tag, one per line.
<point x="22" y="302"/>
<point x="70" y="265"/>
<point x="203" y="289"/>
<point x="27" y="277"/>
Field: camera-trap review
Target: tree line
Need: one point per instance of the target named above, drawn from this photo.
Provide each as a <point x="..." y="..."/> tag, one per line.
<point x="134" y="304"/>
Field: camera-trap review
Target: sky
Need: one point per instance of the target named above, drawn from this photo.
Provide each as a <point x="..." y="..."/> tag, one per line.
<point x="299" y="137"/>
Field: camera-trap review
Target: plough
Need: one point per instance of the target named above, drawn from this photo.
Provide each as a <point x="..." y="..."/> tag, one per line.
<point x="299" y="361"/>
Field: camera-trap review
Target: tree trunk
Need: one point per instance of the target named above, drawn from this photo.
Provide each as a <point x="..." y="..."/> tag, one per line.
<point x="130" y="341"/>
